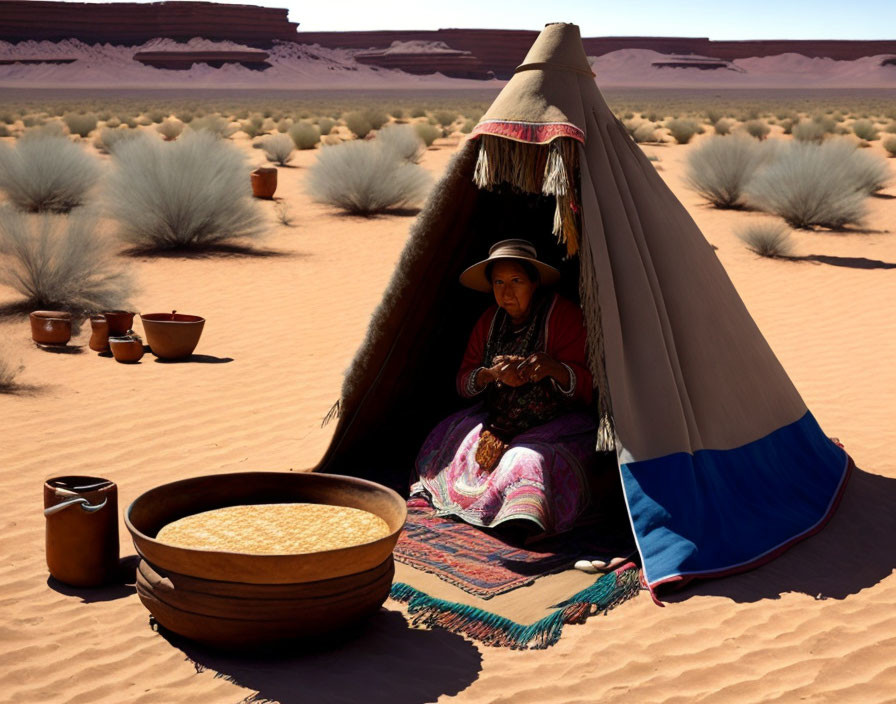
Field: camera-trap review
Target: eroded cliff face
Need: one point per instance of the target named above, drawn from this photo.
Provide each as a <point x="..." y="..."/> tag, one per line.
<point x="461" y="53"/>
<point x="128" y="23"/>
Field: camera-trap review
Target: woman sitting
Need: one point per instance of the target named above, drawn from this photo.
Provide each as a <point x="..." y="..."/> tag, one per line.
<point x="523" y="453"/>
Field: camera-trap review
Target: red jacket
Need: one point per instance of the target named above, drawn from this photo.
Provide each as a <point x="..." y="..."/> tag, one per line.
<point x="564" y="341"/>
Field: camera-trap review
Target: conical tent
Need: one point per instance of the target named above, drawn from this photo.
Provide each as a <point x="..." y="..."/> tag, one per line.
<point x="722" y="464"/>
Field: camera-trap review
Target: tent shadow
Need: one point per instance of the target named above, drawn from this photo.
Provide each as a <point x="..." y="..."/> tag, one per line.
<point x="386" y="661"/>
<point x="854" y="551"/>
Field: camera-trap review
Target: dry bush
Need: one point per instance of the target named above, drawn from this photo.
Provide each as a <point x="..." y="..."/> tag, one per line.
<point x="79" y="123"/>
<point x="304" y="135"/>
<point x="809" y="131"/>
<point x="325" y="124"/>
<point x="278" y="148"/>
<point x="682" y="130"/>
<point x="864" y="129"/>
<point x="720" y="167"/>
<point x="403" y="140"/>
<point x="106" y="139"/>
<point x="757" y="129"/>
<point x="358" y="123"/>
<point x="428" y="133"/>
<point x="281" y="210"/>
<point x="890" y="145"/>
<point x="811" y="185"/>
<point x="188" y="194"/>
<point x="766" y="239"/>
<point x="445" y="118"/>
<point x="362" y="178"/>
<point x="46" y="172"/>
<point x="61" y="262"/>
<point x="170" y="129"/>
<point x="872" y="173"/>
<point x="283" y="125"/>
<point x="8" y="371"/>
<point x="468" y="126"/>
<point x="723" y="126"/>
<point x="214" y="124"/>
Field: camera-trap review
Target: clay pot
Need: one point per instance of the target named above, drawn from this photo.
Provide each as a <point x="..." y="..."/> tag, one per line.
<point x="172" y="335"/>
<point x="99" y="333"/>
<point x="51" y="327"/>
<point x="229" y="599"/>
<point x="264" y="182"/>
<point x="127" y="349"/>
<point x="82" y="530"/>
<point x="120" y="321"/>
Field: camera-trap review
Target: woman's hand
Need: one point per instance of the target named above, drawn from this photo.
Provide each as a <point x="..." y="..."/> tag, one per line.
<point x="541" y="365"/>
<point x="504" y="371"/>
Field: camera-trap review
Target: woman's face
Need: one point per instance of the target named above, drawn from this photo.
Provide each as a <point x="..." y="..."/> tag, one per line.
<point x="513" y="288"/>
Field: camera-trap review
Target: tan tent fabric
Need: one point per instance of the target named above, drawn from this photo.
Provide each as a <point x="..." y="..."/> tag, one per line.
<point x="722" y="463"/>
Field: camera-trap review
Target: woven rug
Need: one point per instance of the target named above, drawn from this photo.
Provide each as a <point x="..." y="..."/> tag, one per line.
<point x="458" y="577"/>
<point x="483" y="564"/>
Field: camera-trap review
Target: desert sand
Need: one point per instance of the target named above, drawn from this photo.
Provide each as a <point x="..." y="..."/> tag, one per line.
<point x="817" y="624"/>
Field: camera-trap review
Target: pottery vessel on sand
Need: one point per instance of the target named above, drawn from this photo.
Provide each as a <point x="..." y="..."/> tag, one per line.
<point x="232" y="600"/>
<point x="127" y="349"/>
<point x="172" y="335"/>
<point x="99" y="333"/>
<point x="120" y="321"/>
<point x="51" y="327"/>
<point x="264" y="182"/>
<point x="82" y="530"/>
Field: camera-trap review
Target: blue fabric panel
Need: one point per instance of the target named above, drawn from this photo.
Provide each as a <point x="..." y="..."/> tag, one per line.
<point x="716" y="509"/>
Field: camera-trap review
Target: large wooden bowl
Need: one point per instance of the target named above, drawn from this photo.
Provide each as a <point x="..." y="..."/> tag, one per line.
<point x="229" y="599"/>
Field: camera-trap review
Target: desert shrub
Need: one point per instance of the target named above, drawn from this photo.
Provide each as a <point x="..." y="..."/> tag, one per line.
<point x="47" y="172"/>
<point x="127" y="121"/>
<point x="890" y="128"/>
<point x="8" y="371"/>
<point x="810" y="184"/>
<point x="808" y="131"/>
<point x="871" y="171"/>
<point x="723" y="126"/>
<point x="106" y="139"/>
<point x="757" y="129"/>
<point x="890" y="145"/>
<point x="682" y="129"/>
<point x="364" y="178"/>
<point x="403" y="140"/>
<point x="445" y="118"/>
<point x="376" y="118"/>
<point x="170" y="129"/>
<point x="278" y="148"/>
<point x="418" y="112"/>
<point x="254" y="126"/>
<point x="81" y="124"/>
<point x="281" y="210"/>
<point x="7" y="118"/>
<point x="714" y="115"/>
<point x="4" y="131"/>
<point x="112" y="122"/>
<point x="766" y="239"/>
<point x="325" y="125"/>
<point x="185" y="116"/>
<point x="61" y="262"/>
<point x="304" y="135"/>
<point x="214" y="124"/>
<point x="32" y="121"/>
<point x="397" y="113"/>
<point x="156" y="116"/>
<point x="188" y="194"/>
<point x="864" y="129"/>
<point x="719" y="168"/>
<point x="358" y="123"/>
<point x="468" y="126"/>
<point x="428" y="133"/>
<point x="283" y="125"/>
<point x="827" y="123"/>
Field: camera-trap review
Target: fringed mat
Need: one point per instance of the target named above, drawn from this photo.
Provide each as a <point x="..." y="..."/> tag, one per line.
<point x="458" y="577"/>
<point x="484" y="565"/>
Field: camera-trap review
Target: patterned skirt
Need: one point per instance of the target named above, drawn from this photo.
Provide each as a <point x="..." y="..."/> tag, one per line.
<point x="542" y="477"/>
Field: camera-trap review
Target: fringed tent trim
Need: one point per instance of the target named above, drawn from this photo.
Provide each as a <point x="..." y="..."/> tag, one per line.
<point x="530" y="132"/>
<point x="491" y="629"/>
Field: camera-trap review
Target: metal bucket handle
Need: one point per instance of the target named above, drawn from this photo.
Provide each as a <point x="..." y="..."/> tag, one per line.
<point x="85" y="505"/>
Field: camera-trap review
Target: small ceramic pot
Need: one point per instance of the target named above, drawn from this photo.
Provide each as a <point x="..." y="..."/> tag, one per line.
<point x="119" y="321"/>
<point x="127" y="349"/>
<point x="172" y="335"/>
<point x="264" y="182"/>
<point x="99" y="333"/>
<point x="51" y="327"/>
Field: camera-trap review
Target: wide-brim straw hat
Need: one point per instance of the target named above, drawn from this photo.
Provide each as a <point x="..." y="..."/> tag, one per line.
<point x="474" y="277"/>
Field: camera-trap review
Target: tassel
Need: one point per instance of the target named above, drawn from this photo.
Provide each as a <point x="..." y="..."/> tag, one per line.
<point x="334" y="412"/>
<point x="490" y="629"/>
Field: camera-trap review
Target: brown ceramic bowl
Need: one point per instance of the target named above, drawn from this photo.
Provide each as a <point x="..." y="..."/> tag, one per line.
<point x="169" y="502"/>
<point x="119" y="321"/>
<point x="51" y="327"/>
<point x="127" y="350"/>
<point x="172" y="335"/>
<point x="235" y="600"/>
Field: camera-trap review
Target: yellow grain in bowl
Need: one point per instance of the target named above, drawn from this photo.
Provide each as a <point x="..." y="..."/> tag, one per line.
<point x="275" y="529"/>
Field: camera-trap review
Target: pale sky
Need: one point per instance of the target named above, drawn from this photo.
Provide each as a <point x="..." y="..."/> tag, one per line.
<point x="715" y="19"/>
